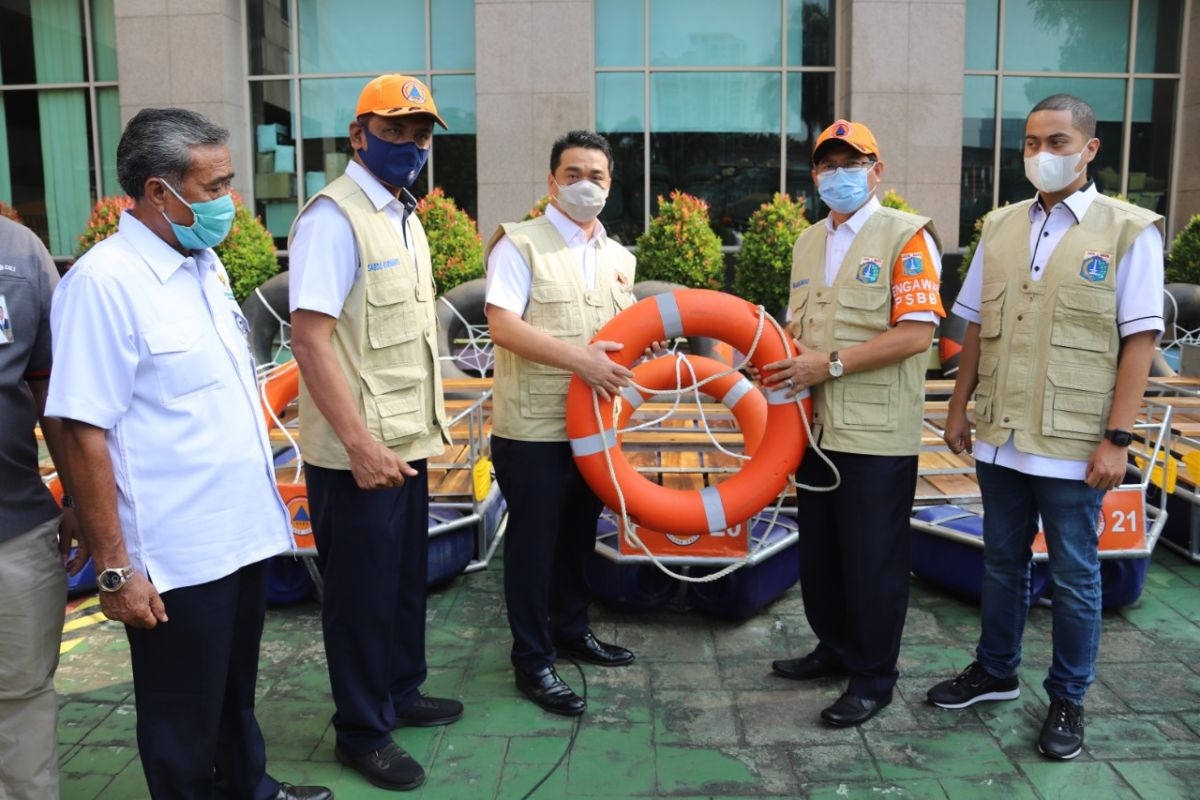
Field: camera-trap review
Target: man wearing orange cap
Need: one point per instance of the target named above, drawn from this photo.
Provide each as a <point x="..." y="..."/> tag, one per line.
<point x="371" y="412"/>
<point x="863" y="307"/>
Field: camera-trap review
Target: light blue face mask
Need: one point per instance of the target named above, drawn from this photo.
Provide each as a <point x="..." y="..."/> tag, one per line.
<point x="845" y="190"/>
<point x="213" y="219"/>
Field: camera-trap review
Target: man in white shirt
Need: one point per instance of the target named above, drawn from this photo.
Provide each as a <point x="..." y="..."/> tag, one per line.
<point x="364" y="331"/>
<point x="552" y="282"/>
<point x="1064" y="303"/>
<point x="175" y="493"/>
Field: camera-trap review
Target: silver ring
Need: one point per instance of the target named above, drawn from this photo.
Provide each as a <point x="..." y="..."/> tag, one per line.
<point x="790" y="383"/>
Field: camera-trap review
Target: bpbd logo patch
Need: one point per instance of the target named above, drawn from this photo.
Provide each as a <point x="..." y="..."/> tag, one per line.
<point x="869" y="270"/>
<point x="1095" y="266"/>
<point x="799" y="283"/>
<point x="913" y="263"/>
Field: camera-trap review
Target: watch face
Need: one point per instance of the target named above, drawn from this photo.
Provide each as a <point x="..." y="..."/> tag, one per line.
<point x="111" y="580"/>
<point x="835" y="369"/>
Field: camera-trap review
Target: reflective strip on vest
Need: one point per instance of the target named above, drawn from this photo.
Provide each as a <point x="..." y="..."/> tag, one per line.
<point x="596" y="443"/>
<point x="668" y="309"/>
<point x="714" y="509"/>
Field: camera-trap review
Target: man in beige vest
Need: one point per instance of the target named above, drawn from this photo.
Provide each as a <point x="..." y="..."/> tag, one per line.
<point x="1064" y="304"/>
<point x="552" y="283"/>
<point x="364" y="332"/>
<point x="863" y="307"/>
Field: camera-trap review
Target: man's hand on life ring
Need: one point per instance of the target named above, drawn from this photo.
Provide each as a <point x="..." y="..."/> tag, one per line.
<point x="600" y="372"/>
<point x="806" y="369"/>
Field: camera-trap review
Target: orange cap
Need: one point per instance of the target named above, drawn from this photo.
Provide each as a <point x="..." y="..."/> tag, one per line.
<point x="397" y="95"/>
<point x="855" y="134"/>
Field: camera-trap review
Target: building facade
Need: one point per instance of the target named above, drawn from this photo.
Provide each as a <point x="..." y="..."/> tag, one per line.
<point x="716" y="98"/>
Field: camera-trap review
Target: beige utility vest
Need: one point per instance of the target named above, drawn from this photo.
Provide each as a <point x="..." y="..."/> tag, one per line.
<point x="529" y="400"/>
<point x="877" y="412"/>
<point x="385" y="340"/>
<point x="1048" y="348"/>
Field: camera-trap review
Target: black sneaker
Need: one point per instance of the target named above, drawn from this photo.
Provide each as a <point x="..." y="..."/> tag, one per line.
<point x="1062" y="733"/>
<point x="974" y="685"/>
<point x="389" y="767"/>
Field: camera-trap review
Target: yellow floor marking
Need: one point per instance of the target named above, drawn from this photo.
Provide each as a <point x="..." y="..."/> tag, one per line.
<point x="83" y="622"/>
<point x="67" y="647"/>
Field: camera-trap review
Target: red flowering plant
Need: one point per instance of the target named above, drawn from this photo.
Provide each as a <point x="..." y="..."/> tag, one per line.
<point x="8" y="211"/>
<point x="679" y="245"/>
<point x="454" y="244"/>
<point x="539" y="208"/>
<point x="764" y="264"/>
<point x="248" y="252"/>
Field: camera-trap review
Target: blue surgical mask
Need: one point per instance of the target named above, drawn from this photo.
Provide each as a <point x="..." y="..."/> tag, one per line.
<point x="845" y="191"/>
<point x="213" y="219"/>
<point x="394" y="164"/>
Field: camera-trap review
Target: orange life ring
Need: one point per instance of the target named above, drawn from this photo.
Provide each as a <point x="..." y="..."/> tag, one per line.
<point x="689" y="312"/>
<point x="278" y="388"/>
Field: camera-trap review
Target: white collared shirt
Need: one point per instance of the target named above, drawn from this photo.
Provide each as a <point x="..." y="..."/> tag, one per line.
<point x="1139" y="307"/>
<point x="323" y="256"/>
<point x="509" y="278"/>
<point x="150" y="346"/>
<point x="838" y="241"/>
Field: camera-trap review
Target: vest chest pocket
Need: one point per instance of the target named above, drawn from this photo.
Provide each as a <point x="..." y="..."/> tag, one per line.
<point x="394" y="403"/>
<point x="553" y="308"/>
<point x="1077" y="401"/>
<point x="868" y="399"/>
<point x="797" y="307"/>
<point x="985" y="391"/>
<point x="1085" y="319"/>
<point x="622" y="296"/>
<point x="991" y="311"/>
<point x="860" y="314"/>
<point x="183" y="366"/>
<point x="544" y="395"/>
<point x="391" y="312"/>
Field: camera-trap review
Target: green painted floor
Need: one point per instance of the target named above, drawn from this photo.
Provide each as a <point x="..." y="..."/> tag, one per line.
<point x="698" y="714"/>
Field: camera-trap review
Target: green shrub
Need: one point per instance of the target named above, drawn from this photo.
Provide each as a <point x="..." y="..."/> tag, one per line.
<point x="539" y="208"/>
<point x="8" y="211"/>
<point x="977" y="232"/>
<point x="248" y="252"/>
<point x="1183" y="260"/>
<point x="764" y="264"/>
<point x="454" y="244"/>
<point x="679" y="246"/>
<point x="893" y="200"/>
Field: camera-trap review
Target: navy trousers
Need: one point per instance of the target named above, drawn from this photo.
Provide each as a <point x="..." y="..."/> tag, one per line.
<point x="551" y="533"/>
<point x="373" y="548"/>
<point x="855" y="557"/>
<point x="193" y="683"/>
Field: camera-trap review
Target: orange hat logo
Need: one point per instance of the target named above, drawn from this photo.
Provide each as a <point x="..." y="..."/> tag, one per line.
<point x="413" y="92"/>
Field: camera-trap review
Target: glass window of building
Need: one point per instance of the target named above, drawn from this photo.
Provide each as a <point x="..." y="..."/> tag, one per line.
<point x="308" y="61"/>
<point x="723" y="106"/>
<point x="1122" y="56"/>
<point x="60" y="118"/>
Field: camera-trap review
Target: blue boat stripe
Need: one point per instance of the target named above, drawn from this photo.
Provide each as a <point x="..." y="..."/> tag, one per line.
<point x="737" y="392"/>
<point x="714" y="509"/>
<point x="596" y="443"/>
<point x="668" y="309"/>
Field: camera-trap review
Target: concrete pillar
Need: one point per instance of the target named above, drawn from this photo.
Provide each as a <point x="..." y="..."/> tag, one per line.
<point x="186" y="53"/>
<point x="1187" y="190"/>
<point x="534" y="80"/>
<point x="902" y="74"/>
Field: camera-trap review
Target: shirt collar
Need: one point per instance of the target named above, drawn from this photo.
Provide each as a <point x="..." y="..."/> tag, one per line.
<point x="160" y="256"/>
<point x="569" y="230"/>
<point x="376" y="192"/>
<point x="1078" y="203"/>
<point x="857" y="219"/>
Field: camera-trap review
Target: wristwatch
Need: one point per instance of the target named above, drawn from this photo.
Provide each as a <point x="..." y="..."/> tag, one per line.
<point x="836" y="367"/>
<point x="1118" y="437"/>
<point x="111" y="580"/>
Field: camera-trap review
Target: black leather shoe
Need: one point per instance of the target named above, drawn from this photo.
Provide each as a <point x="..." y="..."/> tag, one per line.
<point x="850" y="710"/>
<point x="289" y="792"/>
<point x="389" y="767"/>
<point x="428" y="712"/>
<point x="551" y="692"/>
<point x="804" y="668"/>
<point x="590" y="649"/>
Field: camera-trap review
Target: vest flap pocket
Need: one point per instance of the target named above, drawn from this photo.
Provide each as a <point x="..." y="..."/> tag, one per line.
<point x="545" y="396"/>
<point x="623" y="298"/>
<point x="991" y="311"/>
<point x="867" y="400"/>
<point x="395" y="408"/>
<point x="1084" y="379"/>
<point x="1085" y="319"/>
<point x="986" y="388"/>
<point x="389" y="292"/>
<point x="868" y="394"/>
<point x="552" y="293"/>
<point x="864" y="299"/>
<point x="988" y="363"/>
<point x="1093" y="301"/>
<point x="992" y="291"/>
<point x="1077" y="401"/>
<point x="384" y="381"/>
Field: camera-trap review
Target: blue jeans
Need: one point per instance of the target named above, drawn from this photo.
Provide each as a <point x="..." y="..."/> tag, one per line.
<point x="1070" y="510"/>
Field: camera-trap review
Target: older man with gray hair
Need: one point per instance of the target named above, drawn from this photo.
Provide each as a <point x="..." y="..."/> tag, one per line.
<point x="176" y="495"/>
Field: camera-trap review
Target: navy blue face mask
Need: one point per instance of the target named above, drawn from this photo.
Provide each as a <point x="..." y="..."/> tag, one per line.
<point x="394" y="164"/>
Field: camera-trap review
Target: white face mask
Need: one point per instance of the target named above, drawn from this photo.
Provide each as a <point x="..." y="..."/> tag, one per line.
<point x="1051" y="173"/>
<point x="582" y="201"/>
